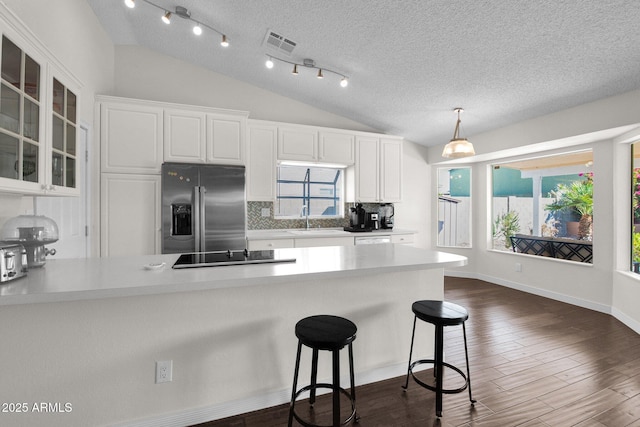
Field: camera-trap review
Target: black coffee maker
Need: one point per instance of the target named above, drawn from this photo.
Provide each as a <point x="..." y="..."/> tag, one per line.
<point x="357" y="219"/>
<point x="385" y="214"/>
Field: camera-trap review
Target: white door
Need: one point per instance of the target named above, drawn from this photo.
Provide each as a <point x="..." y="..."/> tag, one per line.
<point x="70" y="213"/>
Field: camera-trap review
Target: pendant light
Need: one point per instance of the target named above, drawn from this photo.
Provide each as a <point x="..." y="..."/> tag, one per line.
<point x="458" y="147"/>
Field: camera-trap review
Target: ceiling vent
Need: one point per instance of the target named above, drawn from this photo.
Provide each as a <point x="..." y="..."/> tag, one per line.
<point x="279" y="43"/>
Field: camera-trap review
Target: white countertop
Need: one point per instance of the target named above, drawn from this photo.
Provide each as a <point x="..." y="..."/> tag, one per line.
<point x="274" y="234"/>
<point x="93" y="278"/>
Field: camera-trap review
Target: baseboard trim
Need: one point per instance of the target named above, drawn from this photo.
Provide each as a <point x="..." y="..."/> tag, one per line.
<point x="228" y="409"/>
<point x="629" y="321"/>
<point x="603" y="308"/>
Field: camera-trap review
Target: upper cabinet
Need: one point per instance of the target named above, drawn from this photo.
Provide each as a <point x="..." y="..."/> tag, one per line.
<point x="336" y="147"/>
<point x="201" y="136"/>
<point x="315" y="144"/>
<point x="226" y="138"/>
<point x="185" y="135"/>
<point x="261" y="161"/>
<point x="378" y="169"/>
<point x="297" y="143"/>
<point x="38" y="119"/>
<point x="131" y="135"/>
<point x="138" y="136"/>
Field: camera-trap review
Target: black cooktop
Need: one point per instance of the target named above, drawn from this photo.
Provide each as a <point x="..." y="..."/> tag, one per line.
<point x="222" y="258"/>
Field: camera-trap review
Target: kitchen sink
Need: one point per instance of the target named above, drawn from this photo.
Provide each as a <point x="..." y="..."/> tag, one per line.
<point x="313" y="231"/>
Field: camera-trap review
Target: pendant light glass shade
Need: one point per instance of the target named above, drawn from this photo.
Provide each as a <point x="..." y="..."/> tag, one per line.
<point x="458" y="147"/>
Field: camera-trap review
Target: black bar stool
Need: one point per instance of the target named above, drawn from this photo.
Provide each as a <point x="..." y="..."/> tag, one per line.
<point x="331" y="333"/>
<point x="440" y="314"/>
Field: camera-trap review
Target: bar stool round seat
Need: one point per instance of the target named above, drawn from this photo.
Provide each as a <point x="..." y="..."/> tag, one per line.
<point x="328" y="333"/>
<point x="439" y="314"/>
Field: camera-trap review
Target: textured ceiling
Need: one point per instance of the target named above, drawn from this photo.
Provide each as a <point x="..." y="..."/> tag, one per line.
<point x="410" y="62"/>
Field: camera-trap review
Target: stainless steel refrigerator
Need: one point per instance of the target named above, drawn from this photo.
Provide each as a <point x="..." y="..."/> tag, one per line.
<point x="203" y="208"/>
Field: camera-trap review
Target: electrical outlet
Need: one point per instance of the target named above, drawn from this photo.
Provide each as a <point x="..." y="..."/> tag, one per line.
<point x="518" y="267"/>
<point x="164" y="371"/>
<point x="265" y="212"/>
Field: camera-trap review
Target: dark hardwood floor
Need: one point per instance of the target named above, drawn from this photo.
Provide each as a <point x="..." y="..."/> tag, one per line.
<point x="534" y="362"/>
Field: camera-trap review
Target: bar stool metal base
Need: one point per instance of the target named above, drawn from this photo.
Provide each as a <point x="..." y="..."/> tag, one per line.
<point x="433" y="388"/>
<point x="329" y="333"/>
<point x="305" y="423"/>
<point x="440" y="314"/>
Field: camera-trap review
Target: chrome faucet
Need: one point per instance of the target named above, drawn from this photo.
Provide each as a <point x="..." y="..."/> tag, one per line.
<point x="305" y="209"/>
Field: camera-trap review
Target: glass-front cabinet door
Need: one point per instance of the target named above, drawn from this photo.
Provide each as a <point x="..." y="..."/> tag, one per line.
<point x="38" y="121"/>
<point x="63" y="153"/>
<point x="20" y="115"/>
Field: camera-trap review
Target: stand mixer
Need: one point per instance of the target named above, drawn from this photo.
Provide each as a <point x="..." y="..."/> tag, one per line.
<point x="33" y="232"/>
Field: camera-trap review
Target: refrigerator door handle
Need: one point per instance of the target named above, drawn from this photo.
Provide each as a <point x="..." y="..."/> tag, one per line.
<point x="197" y="222"/>
<point x="202" y="247"/>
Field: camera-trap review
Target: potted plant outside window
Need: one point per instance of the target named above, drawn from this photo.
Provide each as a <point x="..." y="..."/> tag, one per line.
<point x="505" y="226"/>
<point x="576" y="197"/>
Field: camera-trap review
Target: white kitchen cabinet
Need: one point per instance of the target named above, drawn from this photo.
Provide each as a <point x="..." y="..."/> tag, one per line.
<point x="226" y="138"/>
<point x="39" y="118"/>
<point x="336" y="147"/>
<point x="130" y="214"/>
<point x="185" y="136"/>
<point x="367" y="169"/>
<point x="263" y="245"/>
<point x="297" y="143"/>
<point x="323" y="241"/>
<point x="261" y="162"/>
<point x="402" y="238"/>
<point x="194" y="136"/>
<point x="131" y="137"/>
<point x="378" y="169"/>
<point x="390" y="170"/>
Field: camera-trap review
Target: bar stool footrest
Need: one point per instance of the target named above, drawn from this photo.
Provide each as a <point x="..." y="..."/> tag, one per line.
<point x="351" y="417"/>
<point x="432" y="388"/>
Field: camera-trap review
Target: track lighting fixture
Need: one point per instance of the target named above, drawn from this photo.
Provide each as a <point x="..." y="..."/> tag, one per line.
<point x="458" y="147"/>
<point x="307" y="63"/>
<point x="184" y="13"/>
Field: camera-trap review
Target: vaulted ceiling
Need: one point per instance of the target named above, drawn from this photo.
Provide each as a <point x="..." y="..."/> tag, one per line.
<point x="409" y="62"/>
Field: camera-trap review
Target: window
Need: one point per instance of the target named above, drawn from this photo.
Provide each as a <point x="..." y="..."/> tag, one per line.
<point x="309" y="189"/>
<point x="19" y="114"/>
<point x="544" y="206"/>
<point x="454" y="207"/>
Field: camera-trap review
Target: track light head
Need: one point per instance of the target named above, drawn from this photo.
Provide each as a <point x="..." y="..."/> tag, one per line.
<point x="344" y="82"/>
<point x="130" y="3"/>
<point x="320" y="76"/>
<point x="224" y="42"/>
<point x="269" y="63"/>
<point x="197" y="29"/>
<point x="295" y="70"/>
<point x="167" y="18"/>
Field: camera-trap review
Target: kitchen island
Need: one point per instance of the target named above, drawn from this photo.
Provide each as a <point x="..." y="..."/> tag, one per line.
<point x="85" y="334"/>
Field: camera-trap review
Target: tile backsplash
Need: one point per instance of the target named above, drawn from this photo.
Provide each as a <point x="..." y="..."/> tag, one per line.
<point x="255" y="220"/>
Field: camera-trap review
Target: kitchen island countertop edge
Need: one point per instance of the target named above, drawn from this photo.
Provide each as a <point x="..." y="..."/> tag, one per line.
<point x="94" y="278"/>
